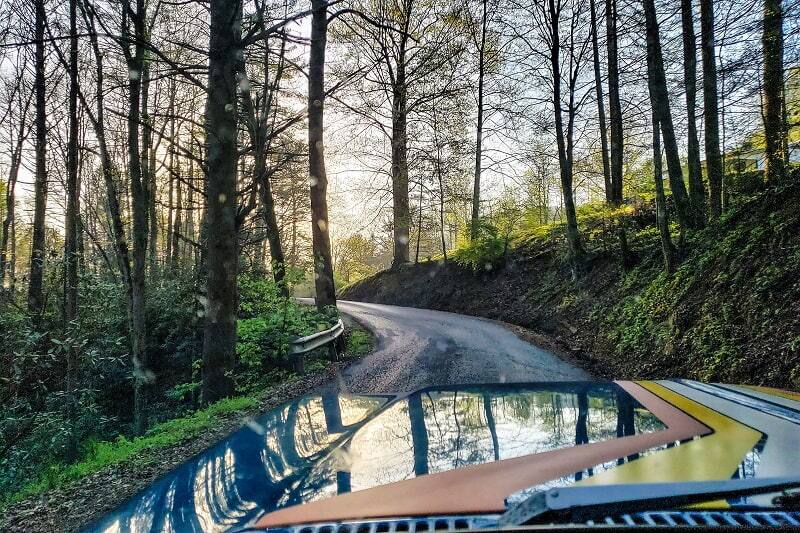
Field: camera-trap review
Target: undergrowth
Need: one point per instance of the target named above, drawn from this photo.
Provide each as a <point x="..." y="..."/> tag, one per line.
<point x="101" y="454"/>
<point x="269" y="322"/>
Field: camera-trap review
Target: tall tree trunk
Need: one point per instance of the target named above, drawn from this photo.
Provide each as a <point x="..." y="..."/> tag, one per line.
<point x="12" y="257"/>
<point x="6" y="259"/>
<point x="35" y="291"/>
<point x="774" y="127"/>
<point x="697" y="191"/>
<point x="71" y="215"/>
<point x="219" y="339"/>
<point x="170" y="234"/>
<point x="190" y="213"/>
<point x="657" y="86"/>
<point x="711" y="102"/>
<point x="476" y="189"/>
<point x="177" y="225"/>
<point x="564" y="142"/>
<point x="108" y="169"/>
<point x="440" y="178"/>
<point x="8" y="221"/>
<point x="419" y="225"/>
<point x="667" y="249"/>
<point x="139" y="197"/>
<point x="601" y="111"/>
<point x="614" y="107"/>
<point x="400" y="211"/>
<point x="320" y="236"/>
<point x="277" y="256"/>
<point x="145" y="148"/>
<point x="612" y="170"/>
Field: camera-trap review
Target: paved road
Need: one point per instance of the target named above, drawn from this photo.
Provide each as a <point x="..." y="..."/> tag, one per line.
<point x="418" y="348"/>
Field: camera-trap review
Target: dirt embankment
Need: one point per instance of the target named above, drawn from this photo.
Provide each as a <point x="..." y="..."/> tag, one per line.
<point x="730" y="313"/>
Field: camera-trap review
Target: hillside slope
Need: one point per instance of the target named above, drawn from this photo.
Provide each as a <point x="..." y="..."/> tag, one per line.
<point x="731" y="312"/>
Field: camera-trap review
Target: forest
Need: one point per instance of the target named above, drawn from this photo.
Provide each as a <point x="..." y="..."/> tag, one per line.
<point x="173" y="173"/>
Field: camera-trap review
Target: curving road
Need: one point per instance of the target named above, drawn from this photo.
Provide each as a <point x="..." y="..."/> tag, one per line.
<point x="418" y="348"/>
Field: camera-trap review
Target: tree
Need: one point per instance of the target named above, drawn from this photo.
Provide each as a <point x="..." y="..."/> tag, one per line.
<point x="481" y="49"/>
<point x="614" y="106"/>
<point x="135" y="58"/>
<point x="400" y="208"/>
<point x="773" y="93"/>
<point x="659" y="98"/>
<point x="697" y="191"/>
<point x="222" y="261"/>
<point x="601" y="112"/>
<point x="35" y="291"/>
<point x="318" y="179"/>
<point x="263" y="128"/>
<point x="612" y="180"/>
<point x="400" y="47"/>
<point x="354" y="258"/>
<point x="73" y="201"/>
<point x="19" y="96"/>
<point x="549" y="23"/>
<point x="662" y="220"/>
<point x="711" y="102"/>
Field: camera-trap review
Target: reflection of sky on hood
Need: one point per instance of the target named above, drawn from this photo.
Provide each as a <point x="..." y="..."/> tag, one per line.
<point x="320" y="446"/>
<point x="470" y="427"/>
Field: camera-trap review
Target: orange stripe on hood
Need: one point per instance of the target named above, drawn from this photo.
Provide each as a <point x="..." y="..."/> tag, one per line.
<point x="483" y="488"/>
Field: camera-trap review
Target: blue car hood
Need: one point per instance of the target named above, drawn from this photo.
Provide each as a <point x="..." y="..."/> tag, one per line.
<point x="329" y="444"/>
<point x="331" y="458"/>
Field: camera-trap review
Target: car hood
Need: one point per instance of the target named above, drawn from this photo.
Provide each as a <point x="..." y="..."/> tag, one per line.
<point x="465" y="450"/>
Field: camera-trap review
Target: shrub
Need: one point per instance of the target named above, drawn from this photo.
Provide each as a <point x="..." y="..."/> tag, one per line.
<point x="269" y="323"/>
<point x="485" y="252"/>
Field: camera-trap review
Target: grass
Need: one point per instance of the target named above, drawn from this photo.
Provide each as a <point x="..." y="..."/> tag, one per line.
<point x="359" y="342"/>
<point x="107" y="453"/>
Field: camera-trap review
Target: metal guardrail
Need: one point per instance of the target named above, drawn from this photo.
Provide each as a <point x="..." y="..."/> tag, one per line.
<point x="300" y="346"/>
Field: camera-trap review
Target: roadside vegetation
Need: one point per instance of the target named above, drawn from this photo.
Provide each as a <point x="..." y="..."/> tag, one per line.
<point x="45" y="445"/>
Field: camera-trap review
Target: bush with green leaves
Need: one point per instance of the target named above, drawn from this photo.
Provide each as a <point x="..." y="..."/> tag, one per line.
<point x="43" y="428"/>
<point x="485" y="251"/>
<point x="268" y="324"/>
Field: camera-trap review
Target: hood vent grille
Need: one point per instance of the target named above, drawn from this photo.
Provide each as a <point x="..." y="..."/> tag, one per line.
<point x="400" y="525"/>
<point x="777" y="519"/>
<point x="704" y="519"/>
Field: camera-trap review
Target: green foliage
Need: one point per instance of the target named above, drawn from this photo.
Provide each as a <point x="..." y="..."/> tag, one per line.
<point x="355" y="259"/>
<point x="597" y="223"/>
<point x="44" y="431"/>
<point x="41" y="434"/>
<point x="268" y="325"/>
<point x="727" y="301"/>
<point x="359" y="342"/>
<point x="258" y="296"/>
<point x="485" y="252"/>
<point x="100" y="454"/>
<point x="182" y="391"/>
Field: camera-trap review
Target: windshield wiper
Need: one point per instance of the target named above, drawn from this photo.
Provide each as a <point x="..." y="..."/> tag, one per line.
<point x="578" y="504"/>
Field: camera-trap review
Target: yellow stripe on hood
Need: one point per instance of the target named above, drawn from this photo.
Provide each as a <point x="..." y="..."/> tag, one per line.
<point x="715" y="456"/>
